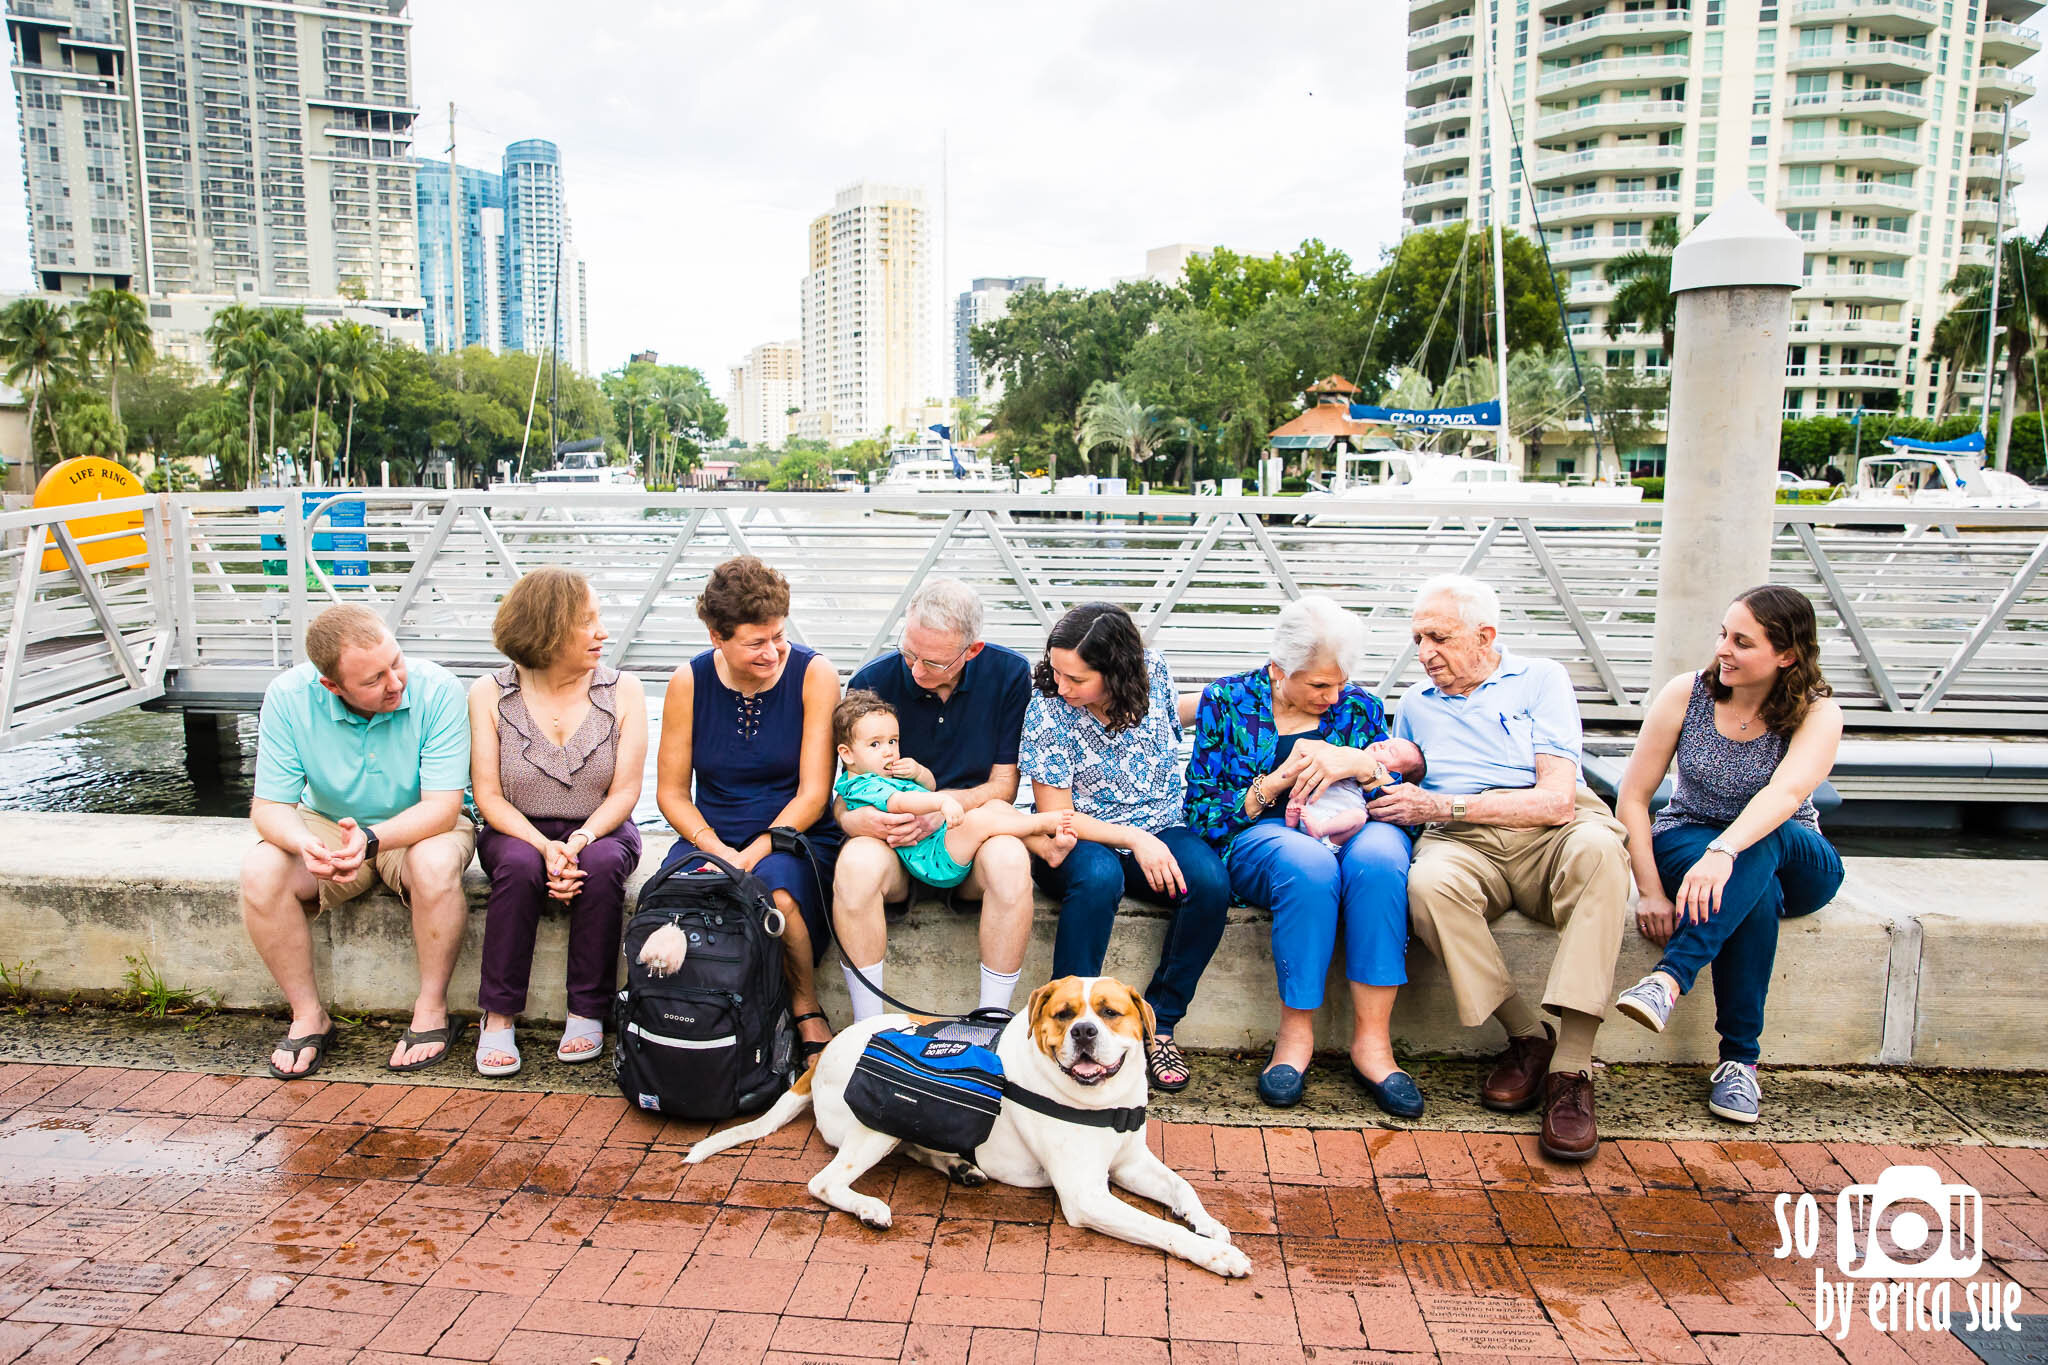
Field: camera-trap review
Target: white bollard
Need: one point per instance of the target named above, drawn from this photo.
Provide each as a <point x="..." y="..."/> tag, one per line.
<point x="1733" y="278"/>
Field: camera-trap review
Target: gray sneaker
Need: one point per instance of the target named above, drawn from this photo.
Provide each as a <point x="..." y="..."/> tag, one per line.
<point x="1648" y="1002"/>
<point x="1734" y="1093"/>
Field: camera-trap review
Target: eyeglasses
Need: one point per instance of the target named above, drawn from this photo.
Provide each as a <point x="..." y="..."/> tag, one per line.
<point x="911" y="661"/>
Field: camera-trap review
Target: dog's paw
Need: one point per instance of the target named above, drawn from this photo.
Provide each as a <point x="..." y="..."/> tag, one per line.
<point x="871" y="1212"/>
<point x="966" y="1174"/>
<point x="1222" y="1258"/>
<point x="663" y="952"/>
<point x="1207" y="1227"/>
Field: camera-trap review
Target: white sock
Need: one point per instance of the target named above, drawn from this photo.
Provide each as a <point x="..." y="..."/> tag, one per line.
<point x="866" y="1004"/>
<point x="998" y="987"/>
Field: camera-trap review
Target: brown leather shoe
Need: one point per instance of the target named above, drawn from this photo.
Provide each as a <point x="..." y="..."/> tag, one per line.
<point x="1516" y="1081"/>
<point x="1569" y="1131"/>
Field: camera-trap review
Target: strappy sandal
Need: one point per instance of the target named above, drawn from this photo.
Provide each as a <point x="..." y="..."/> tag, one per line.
<point x="319" y="1042"/>
<point x="576" y="1029"/>
<point x="811" y="1048"/>
<point x="444" y="1035"/>
<point x="1163" y="1062"/>
<point x="499" y="1040"/>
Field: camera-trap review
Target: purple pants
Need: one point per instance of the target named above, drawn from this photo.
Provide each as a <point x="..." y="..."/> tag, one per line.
<point x="519" y="894"/>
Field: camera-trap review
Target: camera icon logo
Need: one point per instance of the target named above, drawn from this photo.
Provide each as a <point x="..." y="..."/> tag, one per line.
<point x="1909" y="1226"/>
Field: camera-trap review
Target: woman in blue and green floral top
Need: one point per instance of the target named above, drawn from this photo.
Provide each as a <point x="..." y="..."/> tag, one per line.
<point x="1102" y="738"/>
<point x="1292" y="728"/>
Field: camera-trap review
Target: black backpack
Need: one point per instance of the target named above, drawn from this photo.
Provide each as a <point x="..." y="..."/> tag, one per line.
<point x="716" y="1038"/>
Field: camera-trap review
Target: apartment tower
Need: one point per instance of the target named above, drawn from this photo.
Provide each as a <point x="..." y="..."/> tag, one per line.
<point x="984" y="302"/>
<point x="1871" y="126"/>
<point x="764" y="387"/>
<point x="480" y="221"/>
<point x="253" y="152"/>
<point x="867" y="314"/>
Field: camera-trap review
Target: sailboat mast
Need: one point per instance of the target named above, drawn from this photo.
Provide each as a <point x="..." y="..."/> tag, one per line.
<point x="1997" y="273"/>
<point x="1496" y="211"/>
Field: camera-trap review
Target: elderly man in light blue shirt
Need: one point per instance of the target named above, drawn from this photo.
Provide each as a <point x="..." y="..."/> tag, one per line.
<point x="1510" y="826"/>
<point x="362" y="757"/>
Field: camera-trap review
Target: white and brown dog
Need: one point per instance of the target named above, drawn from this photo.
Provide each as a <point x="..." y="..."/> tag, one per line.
<point x="1081" y="1045"/>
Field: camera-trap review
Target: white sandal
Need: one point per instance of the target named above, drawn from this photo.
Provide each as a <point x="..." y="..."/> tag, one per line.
<point x="575" y="1030"/>
<point x="496" y="1040"/>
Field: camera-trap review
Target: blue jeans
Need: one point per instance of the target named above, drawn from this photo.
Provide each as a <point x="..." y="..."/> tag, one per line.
<point x="1790" y="871"/>
<point x="1090" y="881"/>
<point x="1312" y="890"/>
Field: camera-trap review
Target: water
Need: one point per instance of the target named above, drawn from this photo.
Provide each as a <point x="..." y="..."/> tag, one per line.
<point x="133" y="763"/>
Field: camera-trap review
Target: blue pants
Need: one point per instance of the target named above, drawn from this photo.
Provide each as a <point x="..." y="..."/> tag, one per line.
<point x="1091" y="880"/>
<point x="1791" y="871"/>
<point x="1312" y="890"/>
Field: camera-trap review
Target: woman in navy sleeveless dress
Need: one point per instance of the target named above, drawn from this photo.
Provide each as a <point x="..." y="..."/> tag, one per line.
<point x="746" y="745"/>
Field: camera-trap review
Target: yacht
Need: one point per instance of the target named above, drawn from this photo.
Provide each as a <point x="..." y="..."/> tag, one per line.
<point x="1936" y="478"/>
<point x="587" y="469"/>
<point x="937" y="465"/>
<point x="1383" y="471"/>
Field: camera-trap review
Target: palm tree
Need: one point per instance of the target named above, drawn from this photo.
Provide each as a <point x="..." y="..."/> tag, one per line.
<point x="1642" y="295"/>
<point x="2022" y="306"/>
<point x="238" y="341"/>
<point x="319" y="353"/>
<point x="286" y="328"/>
<point x="1110" y="417"/>
<point x="1411" y="389"/>
<point x="361" y="366"/>
<point x="113" y="325"/>
<point x="37" y="347"/>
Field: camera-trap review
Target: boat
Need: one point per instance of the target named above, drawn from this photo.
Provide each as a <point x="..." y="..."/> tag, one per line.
<point x="582" y="464"/>
<point x="1939" y="474"/>
<point x="937" y="465"/>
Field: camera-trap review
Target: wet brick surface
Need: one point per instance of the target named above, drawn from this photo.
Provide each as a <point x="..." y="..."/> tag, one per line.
<point x="217" y="1220"/>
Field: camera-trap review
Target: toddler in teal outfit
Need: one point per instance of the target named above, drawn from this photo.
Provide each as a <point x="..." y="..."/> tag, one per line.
<point x="876" y="774"/>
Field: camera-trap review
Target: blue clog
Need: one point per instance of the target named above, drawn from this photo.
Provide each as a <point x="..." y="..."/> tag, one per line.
<point x="1280" y="1086"/>
<point x="1397" y="1095"/>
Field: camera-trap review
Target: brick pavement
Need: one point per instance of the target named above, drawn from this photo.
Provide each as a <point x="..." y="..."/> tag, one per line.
<point x="220" y="1220"/>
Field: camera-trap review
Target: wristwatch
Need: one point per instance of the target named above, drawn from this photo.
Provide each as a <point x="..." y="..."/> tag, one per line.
<point x="1720" y="845"/>
<point x="1457" y="808"/>
<point x="369" y="844"/>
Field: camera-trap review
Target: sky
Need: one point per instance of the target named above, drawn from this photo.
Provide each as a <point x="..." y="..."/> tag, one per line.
<point x="700" y="139"/>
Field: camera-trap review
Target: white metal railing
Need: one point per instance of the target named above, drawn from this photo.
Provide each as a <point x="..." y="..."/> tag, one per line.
<point x="1459" y="185"/>
<point x="1846" y="284"/>
<point x="1449" y="147"/>
<point x="1626" y="158"/>
<point x="1442" y="109"/>
<point x="1872" y="148"/>
<point x="1865" y="101"/>
<point x="1628" y="112"/>
<point x="1874" y="240"/>
<point x="1612" y="69"/>
<point x="2004" y="78"/>
<point x="1604" y="200"/>
<point x="1443" y="70"/>
<point x="2005" y="31"/>
<point x="1876" y="330"/>
<point x="1627" y="24"/>
<point x="1936" y="626"/>
<point x="1927" y="9"/>
<point x="1991" y="123"/>
<point x="1437" y="32"/>
<point x="1850" y="191"/>
<point x="1854" y="54"/>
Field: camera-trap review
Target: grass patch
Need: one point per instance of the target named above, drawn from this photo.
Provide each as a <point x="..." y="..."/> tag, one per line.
<point x="16" y="983"/>
<point x="150" y="996"/>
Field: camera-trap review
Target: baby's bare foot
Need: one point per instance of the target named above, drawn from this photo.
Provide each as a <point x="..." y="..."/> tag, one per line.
<point x="1059" y="844"/>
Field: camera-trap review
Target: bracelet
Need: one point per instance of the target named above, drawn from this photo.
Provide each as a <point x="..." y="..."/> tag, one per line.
<point x="588" y="837"/>
<point x="1258" y="791"/>
<point x="698" y="837"/>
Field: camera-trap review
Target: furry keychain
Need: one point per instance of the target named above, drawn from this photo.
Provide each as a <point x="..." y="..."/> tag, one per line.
<point x="663" y="952"/>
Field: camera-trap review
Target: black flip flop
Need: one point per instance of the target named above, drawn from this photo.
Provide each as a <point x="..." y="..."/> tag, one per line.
<point x="319" y="1042"/>
<point x="444" y="1035"/>
<point x="811" y="1048"/>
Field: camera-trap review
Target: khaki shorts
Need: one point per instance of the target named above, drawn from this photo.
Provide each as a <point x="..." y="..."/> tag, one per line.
<point x="388" y="867"/>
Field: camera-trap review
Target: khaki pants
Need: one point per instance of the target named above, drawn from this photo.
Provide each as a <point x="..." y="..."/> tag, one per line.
<point x="1572" y="877"/>
<point x="388" y="867"/>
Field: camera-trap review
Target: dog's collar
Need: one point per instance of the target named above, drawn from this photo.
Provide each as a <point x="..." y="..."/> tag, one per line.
<point x="1131" y="1120"/>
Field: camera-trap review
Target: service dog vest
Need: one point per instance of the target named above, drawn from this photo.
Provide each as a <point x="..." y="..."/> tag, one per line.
<point x="939" y="1085"/>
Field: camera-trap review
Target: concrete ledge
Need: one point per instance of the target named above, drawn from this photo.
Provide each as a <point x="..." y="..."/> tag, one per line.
<point x="1932" y="962"/>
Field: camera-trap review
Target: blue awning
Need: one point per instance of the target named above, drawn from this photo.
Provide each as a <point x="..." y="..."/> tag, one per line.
<point x="1962" y="445"/>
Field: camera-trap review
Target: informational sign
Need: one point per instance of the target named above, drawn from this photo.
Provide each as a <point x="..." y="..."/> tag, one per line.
<point x="343" y="552"/>
<point x="83" y="479"/>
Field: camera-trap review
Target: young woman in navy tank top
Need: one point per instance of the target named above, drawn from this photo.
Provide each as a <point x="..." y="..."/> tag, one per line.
<point x="1739" y="845"/>
<point x="746" y="745"/>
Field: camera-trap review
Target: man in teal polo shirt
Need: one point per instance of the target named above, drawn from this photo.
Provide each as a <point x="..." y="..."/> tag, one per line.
<point x="361" y="762"/>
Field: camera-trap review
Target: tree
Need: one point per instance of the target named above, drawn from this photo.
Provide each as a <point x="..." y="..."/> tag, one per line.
<point x="1434" y="301"/>
<point x="801" y="469"/>
<point x="240" y="354"/>
<point x="36" y="345"/>
<point x="1627" y="404"/>
<point x="213" y="431"/>
<point x="1642" y="295"/>
<point x="1111" y="417"/>
<point x="90" y="427"/>
<point x="359" y="366"/>
<point x="112" y="325"/>
<point x="2022" y="305"/>
<point x="1231" y="288"/>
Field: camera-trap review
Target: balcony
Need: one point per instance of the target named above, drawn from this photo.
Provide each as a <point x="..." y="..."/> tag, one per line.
<point x="1984" y="212"/>
<point x="1989" y="125"/>
<point x="2009" y="44"/>
<point x="1593" y="248"/>
<point x="1874" y="16"/>
<point x="1600" y="29"/>
<point x="1590" y="292"/>
<point x="1849" y="194"/>
<point x="1974" y="253"/>
<point x="1442" y="73"/>
<point x="1597" y="331"/>
<point x="1450" y="149"/>
<point x="1880" y="60"/>
<point x="1848" y="331"/>
<point x="1635" y="156"/>
<point x="1993" y="81"/>
<point x="1865" y="241"/>
<point x="1986" y="168"/>
<point x="2013" y="11"/>
<point x="1613" y="71"/>
<point x="1443" y="112"/>
<point x="1877" y="373"/>
<point x="1578" y="208"/>
<point x="1451" y="187"/>
<point x="1858" y="287"/>
<point x="1869" y="153"/>
<point x="1425" y="13"/>
<point x="1873" y="105"/>
<point x="1425" y="42"/>
<point x="1633" y="116"/>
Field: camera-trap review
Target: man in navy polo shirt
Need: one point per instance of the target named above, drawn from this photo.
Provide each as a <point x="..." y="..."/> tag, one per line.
<point x="960" y="707"/>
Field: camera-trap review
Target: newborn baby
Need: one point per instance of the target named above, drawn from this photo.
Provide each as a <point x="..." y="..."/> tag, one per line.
<point x="1338" y="812"/>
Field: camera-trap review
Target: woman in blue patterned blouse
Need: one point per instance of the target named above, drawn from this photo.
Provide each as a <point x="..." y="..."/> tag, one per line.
<point x="1101" y="738"/>
<point x="1292" y="728"/>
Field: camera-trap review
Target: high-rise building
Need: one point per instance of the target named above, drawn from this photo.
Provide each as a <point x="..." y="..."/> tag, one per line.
<point x="764" y="387"/>
<point x="535" y="228"/>
<point x="867" y="314"/>
<point x="248" y="151"/>
<point x="984" y="302"/>
<point x="482" y="227"/>
<point x="1871" y="126"/>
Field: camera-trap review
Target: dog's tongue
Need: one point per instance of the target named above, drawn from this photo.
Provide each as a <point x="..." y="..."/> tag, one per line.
<point x="1089" y="1071"/>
